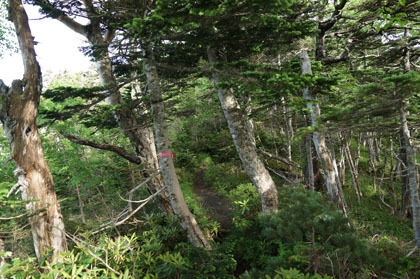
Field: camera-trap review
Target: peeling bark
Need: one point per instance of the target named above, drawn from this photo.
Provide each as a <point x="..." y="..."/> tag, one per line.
<point x="18" y="114"/>
<point x="328" y="164"/>
<point x="244" y="140"/>
<point x="167" y="167"/>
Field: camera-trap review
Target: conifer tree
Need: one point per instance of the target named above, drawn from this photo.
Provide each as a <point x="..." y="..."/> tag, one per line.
<point x="100" y="34"/>
<point x="224" y="33"/>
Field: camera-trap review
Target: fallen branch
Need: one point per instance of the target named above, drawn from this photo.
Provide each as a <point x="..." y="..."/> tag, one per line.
<point x="130" y="194"/>
<point x="113" y="225"/>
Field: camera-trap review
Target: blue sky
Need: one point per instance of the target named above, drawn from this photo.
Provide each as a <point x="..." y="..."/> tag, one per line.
<point x="57" y="49"/>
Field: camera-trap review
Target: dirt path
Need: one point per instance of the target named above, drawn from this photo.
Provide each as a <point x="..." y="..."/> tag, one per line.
<point x="218" y="206"/>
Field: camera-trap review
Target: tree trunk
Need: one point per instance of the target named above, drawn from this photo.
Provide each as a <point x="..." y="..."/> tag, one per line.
<point x="341" y="165"/>
<point x="405" y="192"/>
<point x="353" y="171"/>
<point x="324" y="155"/>
<point x="288" y="131"/>
<point x="18" y="113"/>
<point x="141" y="139"/>
<point x="392" y="170"/>
<point x="309" y="173"/>
<point x="357" y="156"/>
<point x="412" y="175"/>
<point x="178" y="203"/>
<point x="372" y="156"/>
<point x="244" y="140"/>
<point x="379" y="188"/>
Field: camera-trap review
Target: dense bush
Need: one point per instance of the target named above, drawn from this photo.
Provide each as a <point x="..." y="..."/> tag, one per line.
<point x="309" y="235"/>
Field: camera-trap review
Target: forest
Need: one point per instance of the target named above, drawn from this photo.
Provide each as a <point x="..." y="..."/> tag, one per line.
<point x="272" y="139"/>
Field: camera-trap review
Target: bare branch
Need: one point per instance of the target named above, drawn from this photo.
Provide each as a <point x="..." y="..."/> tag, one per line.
<point x="73" y="25"/>
<point x="63" y="18"/>
<point x="131" y="213"/>
<point x="14" y="217"/>
<point x="116" y="149"/>
<point x="272" y="156"/>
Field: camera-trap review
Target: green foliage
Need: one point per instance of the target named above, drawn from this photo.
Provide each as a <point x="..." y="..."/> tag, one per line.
<point x="8" y="42"/>
<point x="307" y="237"/>
<point x="70" y="102"/>
<point x="284" y="274"/>
<point x="159" y="250"/>
<point x="202" y="129"/>
<point x="257" y="26"/>
<point x="246" y="204"/>
<point x="376" y="104"/>
<point x="224" y="177"/>
<point x="307" y="234"/>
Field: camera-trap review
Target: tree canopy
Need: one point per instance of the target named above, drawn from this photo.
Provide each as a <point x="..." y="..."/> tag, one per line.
<point x="219" y="139"/>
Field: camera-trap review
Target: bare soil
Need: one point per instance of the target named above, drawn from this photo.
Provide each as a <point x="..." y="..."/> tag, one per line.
<point x="219" y="206"/>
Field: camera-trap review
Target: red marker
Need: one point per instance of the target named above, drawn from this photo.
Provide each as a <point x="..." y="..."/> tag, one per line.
<point x="166" y="154"/>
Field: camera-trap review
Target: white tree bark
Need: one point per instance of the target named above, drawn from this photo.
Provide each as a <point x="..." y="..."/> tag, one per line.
<point x="244" y="140"/>
<point x="18" y="114"/>
<point x="412" y="175"/>
<point x="329" y="168"/>
<point x="167" y="167"/>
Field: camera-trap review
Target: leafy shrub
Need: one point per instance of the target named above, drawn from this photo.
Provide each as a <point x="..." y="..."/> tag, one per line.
<point x="246" y="203"/>
<point x="224" y="177"/>
<point x="284" y="274"/>
<point x="158" y="250"/>
<point x="308" y="234"/>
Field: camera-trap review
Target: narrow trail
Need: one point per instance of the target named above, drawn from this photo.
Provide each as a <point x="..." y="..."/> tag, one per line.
<point x="219" y="207"/>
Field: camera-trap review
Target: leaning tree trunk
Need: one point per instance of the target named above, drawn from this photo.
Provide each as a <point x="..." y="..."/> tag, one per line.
<point x="18" y="114"/>
<point x="141" y="139"/>
<point x="167" y="167"/>
<point x="412" y="174"/>
<point x="244" y="140"/>
<point x="330" y="171"/>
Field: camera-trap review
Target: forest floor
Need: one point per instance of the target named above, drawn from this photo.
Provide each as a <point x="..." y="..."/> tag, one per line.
<point x="218" y="206"/>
